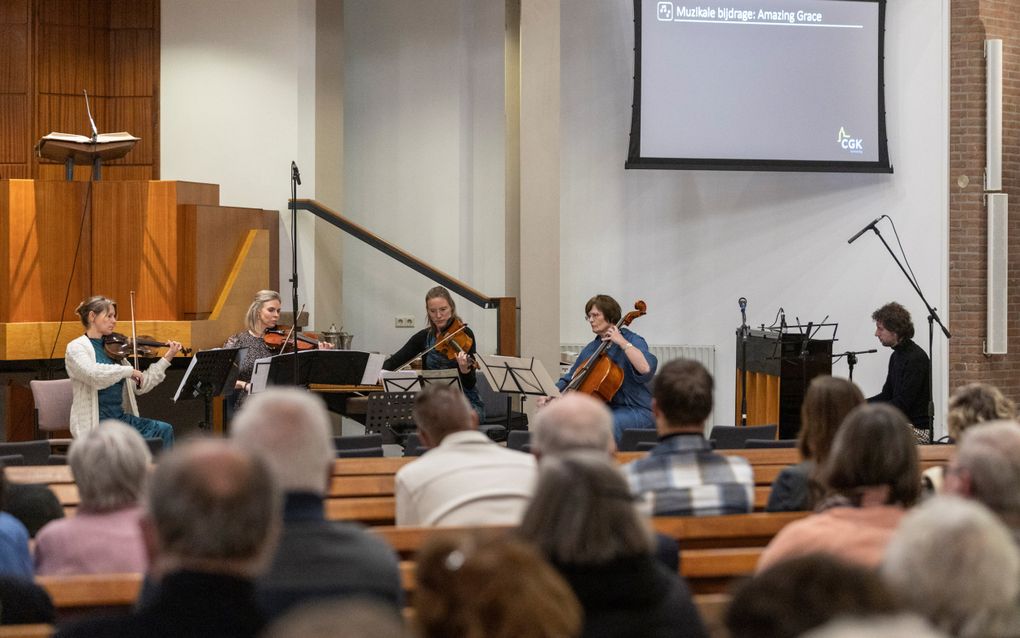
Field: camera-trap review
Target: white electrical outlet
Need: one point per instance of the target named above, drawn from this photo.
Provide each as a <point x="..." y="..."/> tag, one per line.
<point x="404" y="321"/>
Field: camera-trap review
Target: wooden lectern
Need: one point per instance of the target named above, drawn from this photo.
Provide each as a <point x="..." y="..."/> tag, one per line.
<point x="780" y="364"/>
<point x="78" y="149"/>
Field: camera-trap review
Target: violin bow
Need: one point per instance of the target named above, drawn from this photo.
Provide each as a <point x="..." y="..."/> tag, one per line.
<point x="134" y="331"/>
<point x="434" y="346"/>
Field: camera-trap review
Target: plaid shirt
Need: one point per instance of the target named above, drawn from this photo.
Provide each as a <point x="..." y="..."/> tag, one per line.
<point x="682" y="476"/>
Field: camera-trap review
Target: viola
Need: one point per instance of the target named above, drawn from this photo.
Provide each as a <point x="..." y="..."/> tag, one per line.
<point x="454" y="340"/>
<point x="120" y="346"/>
<point x="281" y="338"/>
<point x="598" y="375"/>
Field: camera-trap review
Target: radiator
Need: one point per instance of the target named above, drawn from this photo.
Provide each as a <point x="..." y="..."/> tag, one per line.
<point x="703" y="354"/>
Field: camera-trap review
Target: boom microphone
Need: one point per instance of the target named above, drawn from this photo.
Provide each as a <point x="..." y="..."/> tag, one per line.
<point x="864" y="230"/>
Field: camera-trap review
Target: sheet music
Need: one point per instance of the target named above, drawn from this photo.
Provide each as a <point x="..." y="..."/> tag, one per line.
<point x="400" y="381"/>
<point x="372" y="369"/>
<point x="187" y="373"/>
<point x="260" y="374"/>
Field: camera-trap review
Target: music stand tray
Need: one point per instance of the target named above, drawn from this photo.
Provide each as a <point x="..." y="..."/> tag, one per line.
<point x="323" y="366"/>
<point x="211" y="373"/>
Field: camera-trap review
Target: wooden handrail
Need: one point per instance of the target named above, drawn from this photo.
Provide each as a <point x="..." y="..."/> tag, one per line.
<point x="506" y="307"/>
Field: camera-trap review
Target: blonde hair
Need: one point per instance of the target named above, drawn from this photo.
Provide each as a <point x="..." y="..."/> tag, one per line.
<point x="439" y="292"/>
<point x="262" y="297"/>
<point x="976" y="403"/>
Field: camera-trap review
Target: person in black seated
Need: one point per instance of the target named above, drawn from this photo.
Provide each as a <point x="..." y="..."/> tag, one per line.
<point x="583" y="519"/>
<point x="906" y="385"/>
<point x="442" y="320"/>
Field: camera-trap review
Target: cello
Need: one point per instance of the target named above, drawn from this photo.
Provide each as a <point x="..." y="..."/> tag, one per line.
<point x="598" y="375"/>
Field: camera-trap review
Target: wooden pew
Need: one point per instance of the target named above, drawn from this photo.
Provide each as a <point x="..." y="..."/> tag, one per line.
<point x="86" y="594"/>
<point x="27" y="631"/>
<point x="362" y="489"/>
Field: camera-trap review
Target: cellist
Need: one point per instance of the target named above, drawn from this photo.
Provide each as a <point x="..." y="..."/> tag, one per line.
<point x="632" y="403"/>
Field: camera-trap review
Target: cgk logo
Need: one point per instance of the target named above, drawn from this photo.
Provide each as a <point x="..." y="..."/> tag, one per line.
<point x="665" y="11"/>
<point x="853" y="144"/>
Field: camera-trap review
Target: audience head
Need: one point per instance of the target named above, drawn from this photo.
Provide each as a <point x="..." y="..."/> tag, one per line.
<point x="33" y="504"/>
<point x="682" y="396"/>
<point x="976" y="403"/>
<point x="801" y="593"/>
<point x="110" y="465"/>
<point x="353" y="618"/>
<point x="874" y="451"/>
<point x="473" y="587"/>
<point x="573" y="421"/>
<point x="442" y="410"/>
<point x="255" y="319"/>
<point x="986" y="468"/>
<point x="954" y="563"/>
<point x="211" y="507"/>
<point x="826" y="403"/>
<point x="896" y="319"/>
<point x="291" y="429"/>
<point x="582" y="512"/>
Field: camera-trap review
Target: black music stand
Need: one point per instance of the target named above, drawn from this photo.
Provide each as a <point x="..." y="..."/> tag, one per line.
<point x="394" y="382"/>
<point x="524" y="376"/>
<point x="328" y="367"/>
<point x="211" y="373"/>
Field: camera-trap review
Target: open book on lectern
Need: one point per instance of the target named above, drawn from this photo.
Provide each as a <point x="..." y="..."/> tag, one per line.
<point x="517" y="375"/>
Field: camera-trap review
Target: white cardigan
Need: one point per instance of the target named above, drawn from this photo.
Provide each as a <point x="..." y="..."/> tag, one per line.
<point x="89" y="377"/>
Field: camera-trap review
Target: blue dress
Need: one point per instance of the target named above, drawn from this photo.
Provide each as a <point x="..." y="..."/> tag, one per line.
<point x="632" y="403"/>
<point x="111" y="406"/>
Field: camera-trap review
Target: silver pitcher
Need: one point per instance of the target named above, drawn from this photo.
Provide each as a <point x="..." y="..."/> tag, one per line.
<point x="341" y="340"/>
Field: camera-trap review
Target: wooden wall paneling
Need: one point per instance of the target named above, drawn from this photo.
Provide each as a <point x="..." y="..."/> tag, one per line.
<point x="134" y="247"/>
<point x="15" y="90"/>
<point x="131" y="62"/>
<point x="64" y="59"/>
<point x="14" y="12"/>
<point x="15" y="147"/>
<point x="211" y="239"/>
<point x="55" y="171"/>
<point x="73" y="12"/>
<point x="134" y="115"/>
<point x="132" y="14"/>
<point x="14" y="38"/>
<point x="42" y="222"/>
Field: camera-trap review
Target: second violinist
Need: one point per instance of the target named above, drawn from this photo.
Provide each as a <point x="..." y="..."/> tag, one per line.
<point x="443" y="320"/>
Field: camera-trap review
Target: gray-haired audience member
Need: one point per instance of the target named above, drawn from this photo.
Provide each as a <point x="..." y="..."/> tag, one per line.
<point x="954" y="563"/>
<point x="110" y="465"/>
<point x="572" y="422"/>
<point x="583" y="520"/>
<point x="801" y="593"/>
<point x="315" y="558"/>
<point x="899" y="626"/>
<point x="986" y="468"/>
<point x="212" y="518"/>
<point x="464" y="478"/>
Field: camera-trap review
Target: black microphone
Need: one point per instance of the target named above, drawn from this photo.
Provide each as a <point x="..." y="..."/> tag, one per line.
<point x="295" y="174"/>
<point x="742" y="302"/>
<point x="864" y="230"/>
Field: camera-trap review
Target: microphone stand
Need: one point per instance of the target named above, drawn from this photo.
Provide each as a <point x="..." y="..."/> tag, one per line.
<point x="743" y="332"/>
<point x="295" y="180"/>
<point x="851" y="358"/>
<point x="932" y="318"/>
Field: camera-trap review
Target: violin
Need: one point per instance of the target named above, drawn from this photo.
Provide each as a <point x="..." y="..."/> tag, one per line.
<point x="120" y="346"/>
<point x="281" y="338"/>
<point x="599" y="376"/>
<point x="454" y="340"/>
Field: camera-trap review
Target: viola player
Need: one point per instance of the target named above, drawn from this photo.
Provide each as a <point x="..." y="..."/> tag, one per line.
<point x="632" y="403"/>
<point x="442" y="321"/>
<point x="103" y="388"/>
<point x="263" y="314"/>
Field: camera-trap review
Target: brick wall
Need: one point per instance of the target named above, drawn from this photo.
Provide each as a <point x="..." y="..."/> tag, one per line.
<point x="973" y="21"/>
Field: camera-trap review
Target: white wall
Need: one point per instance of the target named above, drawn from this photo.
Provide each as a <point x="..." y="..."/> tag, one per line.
<point x="423" y="158"/>
<point x="692" y="243"/>
<point x="237" y="105"/>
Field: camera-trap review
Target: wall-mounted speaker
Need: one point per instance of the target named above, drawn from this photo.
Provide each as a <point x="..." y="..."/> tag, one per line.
<point x="993" y="115"/>
<point x="998" y="242"/>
